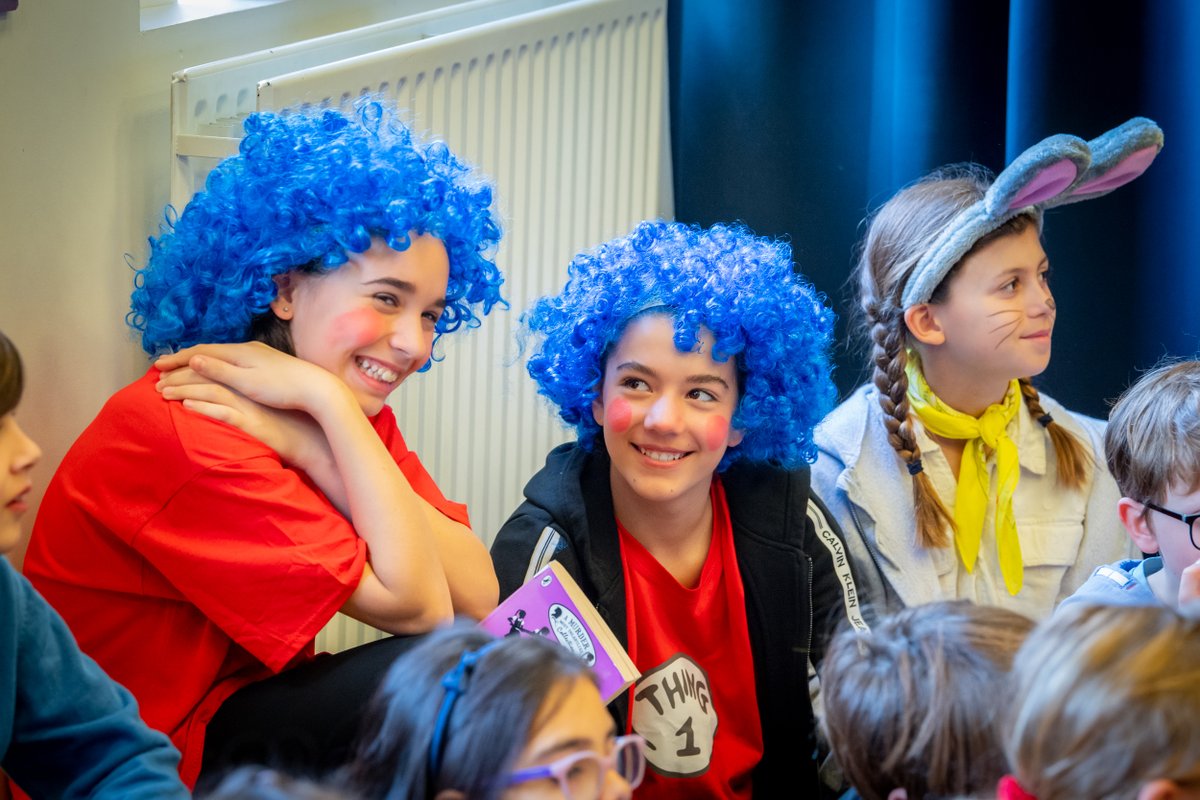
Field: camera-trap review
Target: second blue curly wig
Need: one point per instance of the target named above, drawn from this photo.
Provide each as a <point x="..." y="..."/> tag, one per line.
<point x="740" y="286"/>
<point x="306" y="188"/>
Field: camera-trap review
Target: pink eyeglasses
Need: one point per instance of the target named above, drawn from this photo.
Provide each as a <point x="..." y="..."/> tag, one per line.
<point x="581" y="775"/>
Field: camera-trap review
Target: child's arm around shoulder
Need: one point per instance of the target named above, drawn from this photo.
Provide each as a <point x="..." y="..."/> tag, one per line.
<point x="404" y="588"/>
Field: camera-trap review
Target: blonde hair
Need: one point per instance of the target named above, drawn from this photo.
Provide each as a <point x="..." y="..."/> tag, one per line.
<point x="914" y="703"/>
<point x="1153" y="436"/>
<point x="900" y="233"/>
<point x="1106" y="699"/>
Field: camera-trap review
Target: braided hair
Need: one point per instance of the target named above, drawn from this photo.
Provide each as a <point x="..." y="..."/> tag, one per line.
<point x="898" y="236"/>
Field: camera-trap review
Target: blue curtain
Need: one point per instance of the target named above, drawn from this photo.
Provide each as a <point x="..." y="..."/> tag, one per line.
<point x="799" y="118"/>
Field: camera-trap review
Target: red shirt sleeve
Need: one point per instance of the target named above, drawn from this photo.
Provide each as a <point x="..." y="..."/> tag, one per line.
<point x="258" y="548"/>
<point x="259" y="551"/>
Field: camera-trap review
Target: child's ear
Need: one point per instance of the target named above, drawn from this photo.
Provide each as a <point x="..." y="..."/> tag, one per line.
<point x="1133" y="517"/>
<point x="286" y="287"/>
<point x="922" y="324"/>
<point x="598" y="411"/>
<point x="898" y="794"/>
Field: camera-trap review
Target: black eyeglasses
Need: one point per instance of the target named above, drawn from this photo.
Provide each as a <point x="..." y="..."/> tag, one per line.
<point x="1189" y="519"/>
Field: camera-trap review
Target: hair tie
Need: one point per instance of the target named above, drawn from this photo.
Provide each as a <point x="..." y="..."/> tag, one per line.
<point x="1045" y="420"/>
<point x="1010" y="789"/>
<point x="915" y="467"/>
<point x="455" y="682"/>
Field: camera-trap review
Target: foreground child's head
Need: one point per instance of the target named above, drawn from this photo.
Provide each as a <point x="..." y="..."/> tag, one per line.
<point x="18" y="453"/>
<point x="912" y="707"/>
<point x="261" y="783"/>
<point x="757" y="335"/>
<point x="1105" y="702"/>
<point x="308" y="194"/>
<point x="465" y="715"/>
<point x="1153" y="448"/>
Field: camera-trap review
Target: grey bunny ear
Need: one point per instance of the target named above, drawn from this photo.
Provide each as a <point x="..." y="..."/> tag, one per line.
<point x="1118" y="156"/>
<point x="1045" y="170"/>
<point x="1038" y="175"/>
<point x="1057" y="170"/>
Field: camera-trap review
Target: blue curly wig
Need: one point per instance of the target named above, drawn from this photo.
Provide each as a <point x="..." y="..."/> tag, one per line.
<point x="739" y="286"/>
<point x="305" y="189"/>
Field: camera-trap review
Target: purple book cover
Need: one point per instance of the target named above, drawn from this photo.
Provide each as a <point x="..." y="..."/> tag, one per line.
<point x="543" y="606"/>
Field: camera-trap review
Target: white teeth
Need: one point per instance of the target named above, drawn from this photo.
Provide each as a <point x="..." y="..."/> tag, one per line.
<point x="377" y="372"/>
<point x="655" y="455"/>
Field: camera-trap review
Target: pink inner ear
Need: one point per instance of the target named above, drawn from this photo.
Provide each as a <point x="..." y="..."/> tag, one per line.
<point x="1047" y="183"/>
<point x="1133" y="165"/>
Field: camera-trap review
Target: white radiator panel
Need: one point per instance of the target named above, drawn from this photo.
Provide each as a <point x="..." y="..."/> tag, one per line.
<point x="209" y="101"/>
<point x="566" y="109"/>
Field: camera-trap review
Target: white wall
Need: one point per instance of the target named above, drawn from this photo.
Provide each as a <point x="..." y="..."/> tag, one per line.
<point x="84" y="157"/>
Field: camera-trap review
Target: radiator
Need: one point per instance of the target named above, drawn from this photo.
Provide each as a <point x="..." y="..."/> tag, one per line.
<point x="565" y="107"/>
<point x="209" y="101"/>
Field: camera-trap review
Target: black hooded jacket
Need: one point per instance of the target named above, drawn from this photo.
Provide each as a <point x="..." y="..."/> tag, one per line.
<point x="793" y="564"/>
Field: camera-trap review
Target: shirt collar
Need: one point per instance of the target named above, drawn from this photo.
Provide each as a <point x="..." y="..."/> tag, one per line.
<point x="1024" y="430"/>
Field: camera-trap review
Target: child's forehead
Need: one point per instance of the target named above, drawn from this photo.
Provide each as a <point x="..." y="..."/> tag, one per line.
<point x="1013" y="251"/>
<point x="662" y="331"/>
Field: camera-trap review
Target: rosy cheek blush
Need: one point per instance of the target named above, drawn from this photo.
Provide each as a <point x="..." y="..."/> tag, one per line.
<point x="357" y="328"/>
<point x="618" y="415"/>
<point x="716" y="433"/>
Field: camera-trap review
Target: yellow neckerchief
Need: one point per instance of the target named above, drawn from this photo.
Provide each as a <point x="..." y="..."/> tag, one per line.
<point x="970" y="504"/>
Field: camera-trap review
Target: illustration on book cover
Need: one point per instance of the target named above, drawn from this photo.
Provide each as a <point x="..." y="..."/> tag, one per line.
<point x="550" y="604"/>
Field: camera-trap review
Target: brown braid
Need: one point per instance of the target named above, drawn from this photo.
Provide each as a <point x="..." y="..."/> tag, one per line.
<point x="1074" y="462"/>
<point x="889" y="358"/>
<point x="899" y="234"/>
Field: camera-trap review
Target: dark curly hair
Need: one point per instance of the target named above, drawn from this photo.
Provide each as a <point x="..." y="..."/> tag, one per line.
<point x="306" y="188"/>
<point x="741" y="287"/>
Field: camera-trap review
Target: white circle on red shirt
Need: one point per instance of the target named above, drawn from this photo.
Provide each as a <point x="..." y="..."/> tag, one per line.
<point x="673" y="711"/>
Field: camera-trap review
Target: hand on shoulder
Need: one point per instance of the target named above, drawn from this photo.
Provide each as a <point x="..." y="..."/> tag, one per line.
<point x="255" y="370"/>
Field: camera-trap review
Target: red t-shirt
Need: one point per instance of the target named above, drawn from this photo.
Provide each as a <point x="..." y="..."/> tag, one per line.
<point x="696" y="703"/>
<point x="189" y="561"/>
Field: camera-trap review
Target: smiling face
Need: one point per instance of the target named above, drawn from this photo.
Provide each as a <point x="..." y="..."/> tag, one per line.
<point x="18" y="454"/>
<point x="666" y="414"/>
<point x="996" y="321"/>
<point x="372" y="320"/>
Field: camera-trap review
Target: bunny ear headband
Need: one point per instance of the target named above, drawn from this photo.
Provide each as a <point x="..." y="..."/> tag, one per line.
<point x="1058" y="170"/>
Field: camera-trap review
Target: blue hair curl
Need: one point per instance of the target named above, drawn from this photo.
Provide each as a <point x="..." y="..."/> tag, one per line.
<point x="739" y="286"/>
<point x="306" y="188"/>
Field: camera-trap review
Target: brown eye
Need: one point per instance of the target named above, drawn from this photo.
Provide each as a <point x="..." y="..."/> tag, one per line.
<point x="636" y="384"/>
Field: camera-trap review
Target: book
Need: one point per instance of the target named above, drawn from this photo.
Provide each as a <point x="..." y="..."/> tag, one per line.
<point x="551" y="604"/>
